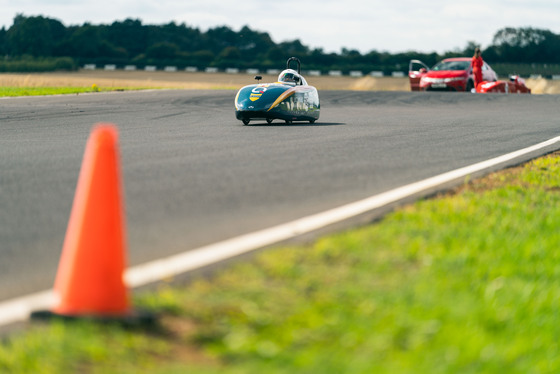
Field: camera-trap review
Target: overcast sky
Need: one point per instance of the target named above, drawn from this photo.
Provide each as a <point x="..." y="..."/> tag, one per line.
<point x="394" y="26"/>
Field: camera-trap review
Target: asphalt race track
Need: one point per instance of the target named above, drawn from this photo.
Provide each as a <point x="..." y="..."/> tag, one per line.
<point x="194" y="175"/>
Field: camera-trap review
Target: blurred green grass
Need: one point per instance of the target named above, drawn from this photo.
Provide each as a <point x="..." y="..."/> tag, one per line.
<point x="42" y="91"/>
<point x="467" y="282"/>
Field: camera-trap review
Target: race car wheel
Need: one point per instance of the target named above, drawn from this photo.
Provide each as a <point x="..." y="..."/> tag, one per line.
<point x="269" y="120"/>
<point x="311" y="121"/>
<point x="288" y="122"/>
<point x="246" y="121"/>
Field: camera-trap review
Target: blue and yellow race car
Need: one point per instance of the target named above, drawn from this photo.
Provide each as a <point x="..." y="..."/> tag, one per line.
<point x="289" y="99"/>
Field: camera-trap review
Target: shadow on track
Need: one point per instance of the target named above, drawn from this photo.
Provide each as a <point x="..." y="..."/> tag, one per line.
<point x="297" y="124"/>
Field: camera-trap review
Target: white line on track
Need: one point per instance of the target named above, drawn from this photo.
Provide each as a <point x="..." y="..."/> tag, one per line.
<point x="19" y="309"/>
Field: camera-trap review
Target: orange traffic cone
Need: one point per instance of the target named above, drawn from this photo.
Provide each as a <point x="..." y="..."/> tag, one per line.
<point x="89" y="281"/>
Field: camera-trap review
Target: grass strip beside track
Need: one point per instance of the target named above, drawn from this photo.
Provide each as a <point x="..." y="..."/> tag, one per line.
<point x="463" y="283"/>
<point x="42" y="91"/>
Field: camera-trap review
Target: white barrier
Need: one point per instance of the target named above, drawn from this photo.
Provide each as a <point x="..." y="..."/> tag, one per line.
<point x="316" y="73"/>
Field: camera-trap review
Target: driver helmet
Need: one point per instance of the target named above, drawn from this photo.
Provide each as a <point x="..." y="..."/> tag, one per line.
<point x="289" y="76"/>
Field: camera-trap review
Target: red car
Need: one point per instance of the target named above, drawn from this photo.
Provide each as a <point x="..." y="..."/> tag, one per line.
<point x="451" y="74"/>
<point x="514" y="85"/>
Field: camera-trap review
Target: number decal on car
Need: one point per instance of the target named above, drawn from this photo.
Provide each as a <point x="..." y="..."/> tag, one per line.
<point x="257" y="92"/>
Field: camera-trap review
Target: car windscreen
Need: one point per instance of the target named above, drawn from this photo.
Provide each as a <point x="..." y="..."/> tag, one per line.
<point x="452" y="65"/>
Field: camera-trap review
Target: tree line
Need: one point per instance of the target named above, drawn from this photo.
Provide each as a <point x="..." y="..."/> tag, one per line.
<point x="132" y="42"/>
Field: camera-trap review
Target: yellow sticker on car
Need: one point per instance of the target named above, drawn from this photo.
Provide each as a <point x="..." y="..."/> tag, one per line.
<point x="257" y="92"/>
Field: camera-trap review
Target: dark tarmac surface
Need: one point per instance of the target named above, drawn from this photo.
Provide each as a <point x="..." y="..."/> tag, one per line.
<point x="194" y="175"/>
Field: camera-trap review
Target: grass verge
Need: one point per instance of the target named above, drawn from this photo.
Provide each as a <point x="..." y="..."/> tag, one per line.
<point x="467" y="282"/>
<point x="42" y="91"/>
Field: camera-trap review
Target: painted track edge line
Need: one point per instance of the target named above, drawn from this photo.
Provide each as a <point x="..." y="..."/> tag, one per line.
<point x="207" y="255"/>
<point x="19" y="309"/>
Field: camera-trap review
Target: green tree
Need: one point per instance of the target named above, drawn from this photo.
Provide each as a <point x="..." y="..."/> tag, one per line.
<point x="163" y="50"/>
<point x="221" y="37"/>
<point x="526" y="44"/>
<point x="34" y="36"/>
<point x="85" y="41"/>
<point x="230" y="56"/>
<point x="130" y="41"/>
<point x="318" y="59"/>
<point x="202" y="58"/>
<point x="128" y="35"/>
<point x="275" y="54"/>
<point x="250" y="40"/>
<point x="3" y="48"/>
<point x="294" y="47"/>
